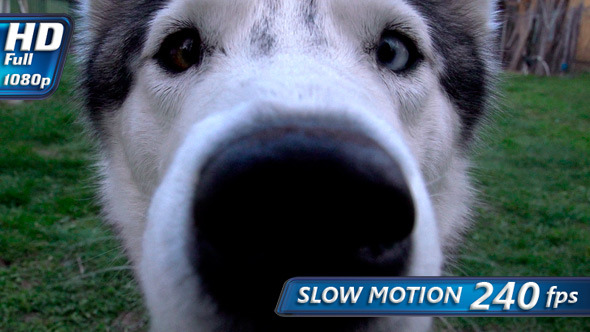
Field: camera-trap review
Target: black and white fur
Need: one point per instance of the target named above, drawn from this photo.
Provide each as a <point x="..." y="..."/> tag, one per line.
<point x="266" y="63"/>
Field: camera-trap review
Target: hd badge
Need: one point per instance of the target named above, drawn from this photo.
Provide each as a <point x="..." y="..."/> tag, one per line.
<point x="34" y="53"/>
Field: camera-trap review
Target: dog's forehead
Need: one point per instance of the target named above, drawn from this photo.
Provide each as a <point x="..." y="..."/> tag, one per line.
<point x="269" y="25"/>
<point x="116" y="34"/>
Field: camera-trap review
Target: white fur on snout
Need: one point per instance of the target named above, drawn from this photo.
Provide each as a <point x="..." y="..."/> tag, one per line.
<point x="172" y="286"/>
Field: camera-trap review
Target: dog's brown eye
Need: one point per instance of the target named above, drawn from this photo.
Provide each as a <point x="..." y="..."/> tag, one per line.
<point x="180" y="51"/>
<point x="397" y="52"/>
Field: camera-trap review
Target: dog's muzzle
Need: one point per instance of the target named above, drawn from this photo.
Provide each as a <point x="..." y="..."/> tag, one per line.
<point x="297" y="198"/>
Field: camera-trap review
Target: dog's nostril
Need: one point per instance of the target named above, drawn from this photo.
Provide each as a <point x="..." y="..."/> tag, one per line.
<point x="294" y="201"/>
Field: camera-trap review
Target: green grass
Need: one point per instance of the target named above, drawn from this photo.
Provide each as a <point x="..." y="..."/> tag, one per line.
<point x="534" y="173"/>
<point x="61" y="270"/>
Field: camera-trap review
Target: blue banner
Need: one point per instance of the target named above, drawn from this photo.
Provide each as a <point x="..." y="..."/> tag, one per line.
<point x="33" y="53"/>
<point x="435" y="296"/>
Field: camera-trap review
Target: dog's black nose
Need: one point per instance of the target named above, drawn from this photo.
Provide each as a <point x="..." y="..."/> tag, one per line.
<point x="299" y="199"/>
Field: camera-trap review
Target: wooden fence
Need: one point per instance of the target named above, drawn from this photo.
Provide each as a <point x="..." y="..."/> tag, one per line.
<point x="541" y="36"/>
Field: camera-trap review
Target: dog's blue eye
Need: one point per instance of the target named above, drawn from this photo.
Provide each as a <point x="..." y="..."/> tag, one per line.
<point x="397" y="52"/>
<point x="180" y="51"/>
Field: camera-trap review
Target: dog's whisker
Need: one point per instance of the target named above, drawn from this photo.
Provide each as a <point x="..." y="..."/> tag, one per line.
<point x="107" y="252"/>
<point x="106" y="270"/>
<point x="93" y="241"/>
<point x="448" y="326"/>
<point x="479" y="260"/>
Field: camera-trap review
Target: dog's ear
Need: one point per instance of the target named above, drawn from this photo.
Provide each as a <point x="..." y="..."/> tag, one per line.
<point x="92" y="11"/>
<point x="110" y="38"/>
<point x="482" y="12"/>
<point x="477" y="16"/>
<point x="94" y="7"/>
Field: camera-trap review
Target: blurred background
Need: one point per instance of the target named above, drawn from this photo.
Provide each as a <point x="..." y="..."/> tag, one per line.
<point x="542" y="37"/>
<point x="545" y="37"/>
<point x="61" y="269"/>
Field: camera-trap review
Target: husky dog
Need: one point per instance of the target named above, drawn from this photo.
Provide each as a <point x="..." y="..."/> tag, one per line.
<point x="248" y="142"/>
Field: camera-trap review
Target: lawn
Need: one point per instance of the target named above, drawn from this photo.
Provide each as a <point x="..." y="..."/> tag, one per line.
<point x="61" y="270"/>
